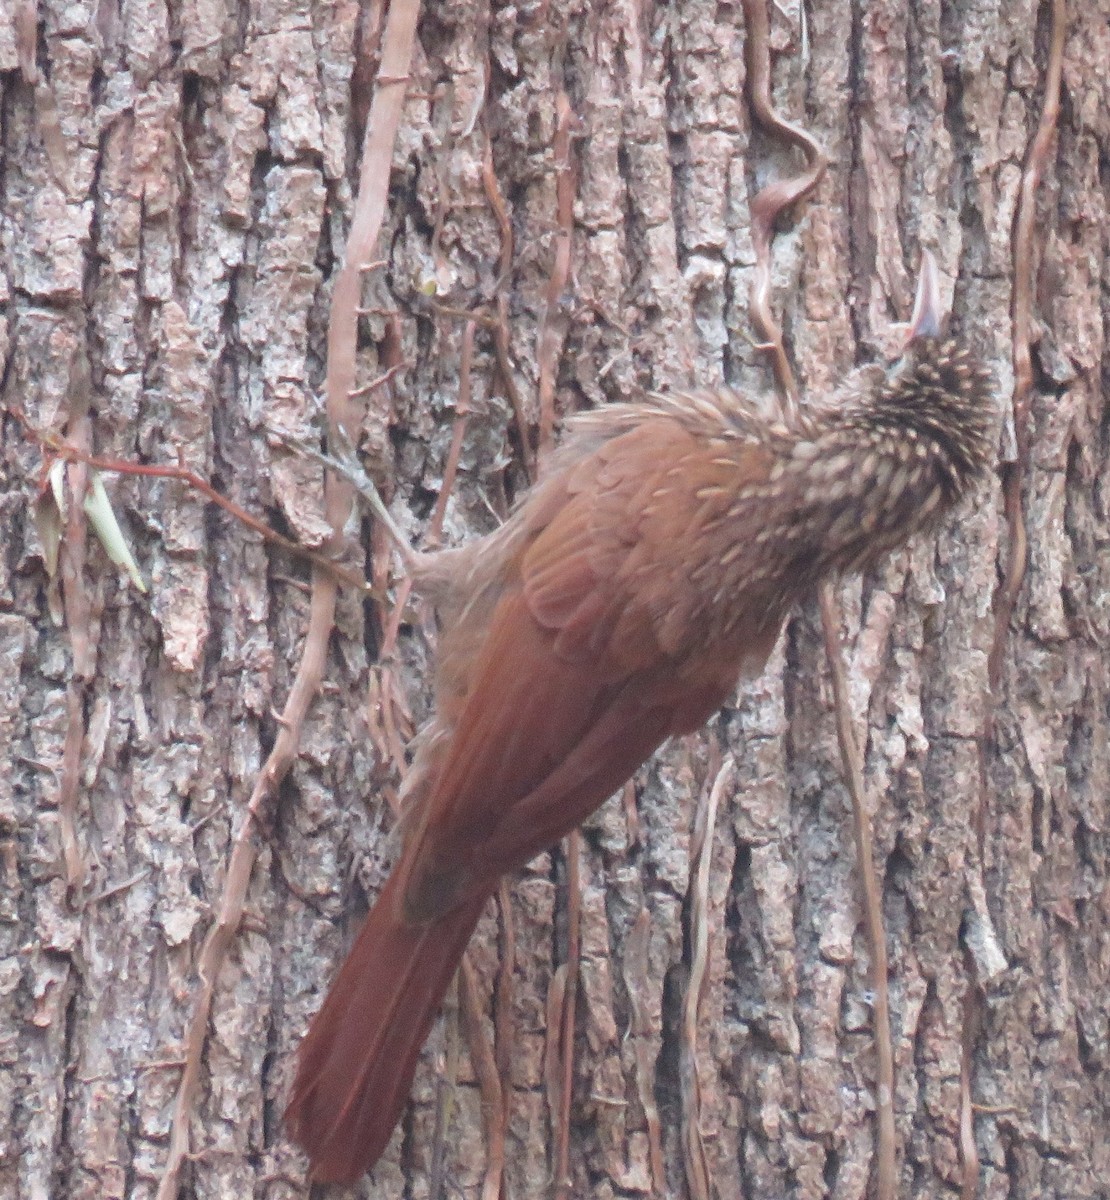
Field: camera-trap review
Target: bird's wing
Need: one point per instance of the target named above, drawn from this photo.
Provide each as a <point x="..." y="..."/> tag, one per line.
<point x="585" y="668"/>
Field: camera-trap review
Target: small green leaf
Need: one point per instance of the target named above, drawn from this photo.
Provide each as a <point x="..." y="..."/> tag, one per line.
<point x="98" y="509"/>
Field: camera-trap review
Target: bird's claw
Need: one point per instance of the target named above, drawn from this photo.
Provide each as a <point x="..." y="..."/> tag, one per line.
<point x="343" y="461"/>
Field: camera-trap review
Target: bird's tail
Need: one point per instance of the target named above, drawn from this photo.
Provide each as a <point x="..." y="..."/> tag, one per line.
<point x="359" y="1056"/>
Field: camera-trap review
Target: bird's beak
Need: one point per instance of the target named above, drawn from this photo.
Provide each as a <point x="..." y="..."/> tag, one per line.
<point x="927" y="314"/>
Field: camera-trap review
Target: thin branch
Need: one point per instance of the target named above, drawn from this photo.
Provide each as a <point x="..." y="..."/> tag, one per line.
<point x="115" y="889"/>
<point x="388" y="375"/>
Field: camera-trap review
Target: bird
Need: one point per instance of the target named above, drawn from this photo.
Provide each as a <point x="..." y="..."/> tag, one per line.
<point x="652" y="566"/>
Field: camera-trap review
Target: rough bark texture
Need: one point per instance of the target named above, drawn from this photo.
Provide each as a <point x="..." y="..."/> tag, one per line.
<point x="175" y="191"/>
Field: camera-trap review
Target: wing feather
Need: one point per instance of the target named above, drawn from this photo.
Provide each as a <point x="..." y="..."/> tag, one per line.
<point x="585" y="666"/>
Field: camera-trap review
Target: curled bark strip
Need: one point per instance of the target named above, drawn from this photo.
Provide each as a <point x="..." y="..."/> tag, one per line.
<point x="969" y="1152"/>
<point x="398" y="36"/>
<point x="1006" y="595"/>
<point x="569" y="998"/>
<point x="79" y="627"/>
<point x="636" y="953"/>
<point x="489" y="1081"/>
<point x="69" y="785"/>
<point x="549" y="339"/>
<point x="503" y="1032"/>
<point x="500" y="214"/>
<point x="775" y="197"/>
<point x="1022" y="335"/>
<point x="446" y="1084"/>
<point x="501" y="324"/>
<point x="462" y="413"/>
<point x="693" y="1149"/>
<point x="552" y="1071"/>
<point x="852" y="760"/>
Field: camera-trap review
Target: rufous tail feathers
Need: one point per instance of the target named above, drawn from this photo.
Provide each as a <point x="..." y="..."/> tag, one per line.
<point x="359" y="1056"/>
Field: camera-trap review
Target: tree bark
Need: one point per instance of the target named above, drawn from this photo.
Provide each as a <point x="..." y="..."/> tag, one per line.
<point x="568" y="223"/>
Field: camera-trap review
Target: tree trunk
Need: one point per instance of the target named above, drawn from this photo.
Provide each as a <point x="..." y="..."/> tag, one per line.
<point x="568" y="223"/>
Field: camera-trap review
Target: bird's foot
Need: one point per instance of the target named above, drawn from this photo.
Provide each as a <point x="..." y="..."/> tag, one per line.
<point x="344" y="462"/>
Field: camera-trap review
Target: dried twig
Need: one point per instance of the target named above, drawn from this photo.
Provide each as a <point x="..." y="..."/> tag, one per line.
<point x="369" y="211"/>
<point x="115" y="889"/>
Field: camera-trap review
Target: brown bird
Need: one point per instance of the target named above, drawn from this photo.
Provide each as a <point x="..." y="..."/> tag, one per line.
<point x="652" y="566"/>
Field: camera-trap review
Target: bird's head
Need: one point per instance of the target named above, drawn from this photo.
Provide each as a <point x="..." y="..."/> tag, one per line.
<point x="939" y="390"/>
